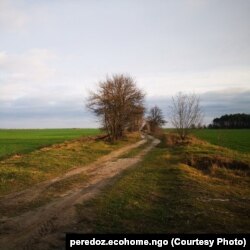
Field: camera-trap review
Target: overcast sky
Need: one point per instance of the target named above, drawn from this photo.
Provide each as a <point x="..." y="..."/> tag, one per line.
<point x="52" y="52"/>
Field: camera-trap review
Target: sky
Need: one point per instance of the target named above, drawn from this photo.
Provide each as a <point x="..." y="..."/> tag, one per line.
<point x="54" y="52"/>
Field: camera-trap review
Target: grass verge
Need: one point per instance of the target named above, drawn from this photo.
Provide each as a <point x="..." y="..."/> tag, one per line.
<point x="21" y="171"/>
<point x="164" y="195"/>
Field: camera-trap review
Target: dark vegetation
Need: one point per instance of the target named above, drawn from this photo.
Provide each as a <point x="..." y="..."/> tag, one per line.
<point x="231" y="121"/>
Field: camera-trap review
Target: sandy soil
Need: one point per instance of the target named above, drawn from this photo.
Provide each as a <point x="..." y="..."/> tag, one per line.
<point x="43" y="228"/>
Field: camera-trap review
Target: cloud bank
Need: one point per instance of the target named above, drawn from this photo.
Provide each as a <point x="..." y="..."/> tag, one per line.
<point x="53" y="52"/>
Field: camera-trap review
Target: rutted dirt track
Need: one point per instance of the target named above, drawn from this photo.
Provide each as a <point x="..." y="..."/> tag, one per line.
<point x="44" y="227"/>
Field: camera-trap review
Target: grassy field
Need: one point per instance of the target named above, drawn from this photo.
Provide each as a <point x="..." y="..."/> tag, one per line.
<point x="196" y="187"/>
<point x="22" y="171"/>
<point x="177" y="188"/>
<point x="237" y="139"/>
<point x="16" y="141"/>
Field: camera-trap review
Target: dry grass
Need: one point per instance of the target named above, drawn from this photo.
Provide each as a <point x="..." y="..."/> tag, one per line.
<point x="164" y="195"/>
<point x="20" y="172"/>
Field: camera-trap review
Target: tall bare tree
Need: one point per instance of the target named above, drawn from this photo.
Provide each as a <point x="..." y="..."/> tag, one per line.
<point x="118" y="103"/>
<point x="155" y="118"/>
<point x="185" y="112"/>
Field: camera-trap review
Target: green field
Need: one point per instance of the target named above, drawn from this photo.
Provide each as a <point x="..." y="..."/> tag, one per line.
<point x="16" y="141"/>
<point x="236" y="139"/>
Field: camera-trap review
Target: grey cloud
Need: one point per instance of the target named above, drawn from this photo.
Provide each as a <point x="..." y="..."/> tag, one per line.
<point x="214" y="103"/>
<point x="170" y="45"/>
<point x="28" y="113"/>
<point x="219" y="103"/>
<point x="73" y="113"/>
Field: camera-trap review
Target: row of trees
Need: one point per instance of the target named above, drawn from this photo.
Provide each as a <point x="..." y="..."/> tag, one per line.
<point x="231" y="121"/>
<point x="119" y="104"/>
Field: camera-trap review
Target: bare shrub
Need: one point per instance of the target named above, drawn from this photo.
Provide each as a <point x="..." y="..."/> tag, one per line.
<point x="185" y="112"/>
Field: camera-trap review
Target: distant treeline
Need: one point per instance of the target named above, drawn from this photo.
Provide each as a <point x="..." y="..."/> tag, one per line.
<point x="231" y="121"/>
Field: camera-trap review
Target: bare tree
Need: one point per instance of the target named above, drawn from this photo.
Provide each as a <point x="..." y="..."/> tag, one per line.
<point x="185" y="113"/>
<point x="155" y="118"/>
<point x="118" y="103"/>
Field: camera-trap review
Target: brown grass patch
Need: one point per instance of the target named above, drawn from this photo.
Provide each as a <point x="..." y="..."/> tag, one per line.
<point x="208" y="162"/>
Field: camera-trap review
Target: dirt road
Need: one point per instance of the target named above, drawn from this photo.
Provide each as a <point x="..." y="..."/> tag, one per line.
<point x="43" y="228"/>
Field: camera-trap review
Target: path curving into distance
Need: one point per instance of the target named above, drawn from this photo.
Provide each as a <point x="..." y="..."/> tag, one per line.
<point x="42" y="228"/>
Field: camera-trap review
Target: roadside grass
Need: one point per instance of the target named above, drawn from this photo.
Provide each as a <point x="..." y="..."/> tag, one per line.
<point x="162" y="194"/>
<point x="19" y="141"/>
<point x="236" y="139"/>
<point x="22" y="171"/>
